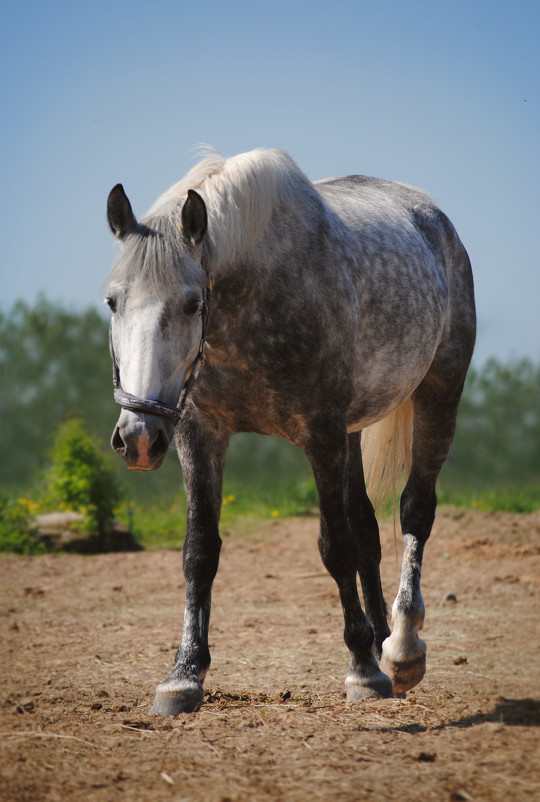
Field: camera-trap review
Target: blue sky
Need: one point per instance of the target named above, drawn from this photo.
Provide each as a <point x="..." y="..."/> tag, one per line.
<point x="440" y="95"/>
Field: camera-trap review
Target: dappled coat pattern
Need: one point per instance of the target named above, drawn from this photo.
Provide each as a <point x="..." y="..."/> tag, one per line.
<point x="337" y="314"/>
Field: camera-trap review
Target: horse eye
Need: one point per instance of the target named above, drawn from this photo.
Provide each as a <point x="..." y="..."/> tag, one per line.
<point x="192" y="305"/>
<point x="112" y="304"/>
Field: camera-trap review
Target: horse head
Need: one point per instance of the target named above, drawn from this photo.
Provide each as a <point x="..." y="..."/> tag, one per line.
<point x="157" y="295"/>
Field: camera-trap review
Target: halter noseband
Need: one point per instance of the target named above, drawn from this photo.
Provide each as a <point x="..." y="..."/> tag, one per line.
<point x="159" y="408"/>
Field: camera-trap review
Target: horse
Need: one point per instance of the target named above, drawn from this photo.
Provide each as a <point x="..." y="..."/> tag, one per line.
<point x="337" y="314"/>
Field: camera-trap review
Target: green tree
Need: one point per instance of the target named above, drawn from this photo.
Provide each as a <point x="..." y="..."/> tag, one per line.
<point x="498" y="431"/>
<point x="53" y="363"/>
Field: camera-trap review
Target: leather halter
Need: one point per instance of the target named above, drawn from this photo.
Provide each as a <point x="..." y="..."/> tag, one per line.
<point x="159" y="408"/>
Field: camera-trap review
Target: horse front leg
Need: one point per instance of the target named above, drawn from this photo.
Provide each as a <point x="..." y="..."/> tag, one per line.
<point x="202" y="457"/>
<point x="328" y="454"/>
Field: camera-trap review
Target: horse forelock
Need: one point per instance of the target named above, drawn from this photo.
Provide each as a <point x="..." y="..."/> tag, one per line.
<point x="155" y="258"/>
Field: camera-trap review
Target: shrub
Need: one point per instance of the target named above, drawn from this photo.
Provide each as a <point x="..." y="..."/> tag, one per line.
<point x="16" y="528"/>
<point x="80" y="479"/>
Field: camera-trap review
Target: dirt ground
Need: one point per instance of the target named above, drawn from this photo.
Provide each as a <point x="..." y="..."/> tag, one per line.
<point x="84" y="641"/>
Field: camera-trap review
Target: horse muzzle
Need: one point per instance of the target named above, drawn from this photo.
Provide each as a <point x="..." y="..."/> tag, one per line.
<point x="142" y="440"/>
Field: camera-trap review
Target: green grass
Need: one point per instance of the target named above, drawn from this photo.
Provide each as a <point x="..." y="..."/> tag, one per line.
<point x="159" y="526"/>
<point x="161" y="523"/>
<point x="507" y="498"/>
<point x="163" y="526"/>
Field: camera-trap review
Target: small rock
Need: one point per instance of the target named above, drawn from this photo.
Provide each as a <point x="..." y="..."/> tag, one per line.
<point x="449" y="597"/>
<point x="460" y="661"/>
<point x="62" y="531"/>
<point x="426" y="757"/>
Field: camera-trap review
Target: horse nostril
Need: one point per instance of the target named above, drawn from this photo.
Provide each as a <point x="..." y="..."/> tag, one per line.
<point x="117" y="443"/>
<point x="160" y="445"/>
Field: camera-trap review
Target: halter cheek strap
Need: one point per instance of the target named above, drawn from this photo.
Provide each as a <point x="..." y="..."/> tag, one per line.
<point x="159" y="408"/>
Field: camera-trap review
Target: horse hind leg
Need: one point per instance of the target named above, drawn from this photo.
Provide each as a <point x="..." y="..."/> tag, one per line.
<point x="404" y="652"/>
<point x="328" y="454"/>
<point x="435" y="410"/>
<point x="365" y="529"/>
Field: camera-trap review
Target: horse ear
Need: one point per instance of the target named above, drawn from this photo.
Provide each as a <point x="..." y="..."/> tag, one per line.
<point x="194" y="217"/>
<point x="119" y="213"/>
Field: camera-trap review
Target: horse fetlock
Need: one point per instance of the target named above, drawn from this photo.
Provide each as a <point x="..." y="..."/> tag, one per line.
<point x="408" y="611"/>
<point x="368" y="683"/>
<point x="191" y="665"/>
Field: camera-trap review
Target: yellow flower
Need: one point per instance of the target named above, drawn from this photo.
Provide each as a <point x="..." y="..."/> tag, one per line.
<point x="275" y="513"/>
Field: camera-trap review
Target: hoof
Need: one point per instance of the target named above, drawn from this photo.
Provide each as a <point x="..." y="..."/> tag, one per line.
<point x="177" y="696"/>
<point x="405" y="668"/>
<point x="376" y="686"/>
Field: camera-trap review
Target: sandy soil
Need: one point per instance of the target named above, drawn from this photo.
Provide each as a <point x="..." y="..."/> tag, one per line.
<point x="84" y="641"/>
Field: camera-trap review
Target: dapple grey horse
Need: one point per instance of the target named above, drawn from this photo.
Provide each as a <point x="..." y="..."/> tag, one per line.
<point x="338" y="308"/>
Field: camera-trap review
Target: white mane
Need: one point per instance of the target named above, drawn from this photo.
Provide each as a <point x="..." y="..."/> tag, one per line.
<point x="240" y="193"/>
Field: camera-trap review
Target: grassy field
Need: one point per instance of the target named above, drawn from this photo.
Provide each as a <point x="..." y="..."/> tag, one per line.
<point x="504" y="498"/>
<point x="160" y="521"/>
<point x="163" y="525"/>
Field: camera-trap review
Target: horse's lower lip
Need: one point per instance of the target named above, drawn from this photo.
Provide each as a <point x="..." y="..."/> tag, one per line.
<point x="152" y="467"/>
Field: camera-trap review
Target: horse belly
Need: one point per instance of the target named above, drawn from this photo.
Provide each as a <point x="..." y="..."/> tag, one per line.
<point x="389" y="375"/>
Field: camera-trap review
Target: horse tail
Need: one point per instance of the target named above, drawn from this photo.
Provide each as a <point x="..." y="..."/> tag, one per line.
<point x="387" y="454"/>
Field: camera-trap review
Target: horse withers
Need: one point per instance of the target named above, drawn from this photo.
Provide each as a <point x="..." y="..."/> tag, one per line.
<point x="342" y="319"/>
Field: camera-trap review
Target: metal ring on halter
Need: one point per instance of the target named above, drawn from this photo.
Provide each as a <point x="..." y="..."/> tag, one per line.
<point x="149" y="406"/>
